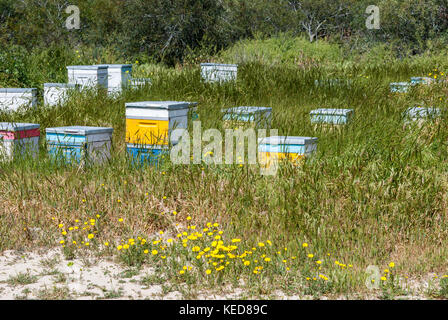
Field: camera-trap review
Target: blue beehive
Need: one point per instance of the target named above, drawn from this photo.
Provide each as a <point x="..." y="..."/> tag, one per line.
<point x="331" y="116"/>
<point x="400" y="87"/>
<point x="141" y="155"/>
<point x="79" y="144"/>
<point x="421" y="80"/>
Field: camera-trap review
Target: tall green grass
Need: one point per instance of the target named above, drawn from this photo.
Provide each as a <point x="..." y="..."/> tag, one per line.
<point x="374" y="192"/>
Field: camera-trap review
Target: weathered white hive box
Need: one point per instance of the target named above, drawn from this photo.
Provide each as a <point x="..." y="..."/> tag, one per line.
<point x="79" y="144"/>
<point x="18" y="139"/>
<point x="421" y="113"/>
<point x="118" y="76"/>
<point x="58" y="93"/>
<point x="218" y="72"/>
<point x="151" y="122"/>
<point x="88" y="76"/>
<point x="257" y="116"/>
<point x="331" y="116"/>
<point x="13" y="98"/>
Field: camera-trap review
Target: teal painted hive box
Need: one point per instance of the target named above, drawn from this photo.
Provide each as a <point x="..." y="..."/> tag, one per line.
<point x="331" y="116"/>
<point x="255" y="116"/>
<point x="79" y="144"/>
<point x="141" y="155"/>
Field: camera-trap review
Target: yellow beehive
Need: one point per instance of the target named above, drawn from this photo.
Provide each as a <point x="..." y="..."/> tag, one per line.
<point x="151" y="122"/>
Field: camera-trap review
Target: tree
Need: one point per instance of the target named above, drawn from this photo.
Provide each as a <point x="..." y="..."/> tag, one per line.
<point x="319" y="17"/>
<point x="166" y="28"/>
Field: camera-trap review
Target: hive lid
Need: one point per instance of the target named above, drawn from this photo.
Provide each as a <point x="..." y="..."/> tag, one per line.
<point x="400" y="83"/>
<point x="115" y="65"/>
<point x="17" y="90"/>
<point x="94" y="67"/>
<point x="61" y="85"/>
<point x="287" y="140"/>
<point x="246" y="110"/>
<point x="80" y="130"/>
<point x="16" y="126"/>
<point x="338" y="112"/>
<point x="208" y="64"/>
<point x="168" y="105"/>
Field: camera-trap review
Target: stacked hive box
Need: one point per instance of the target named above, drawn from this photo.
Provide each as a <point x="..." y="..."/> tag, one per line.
<point x="217" y="72"/>
<point x="18" y="140"/>
<point x="331" y="116"/>
<point x="13" y="98"/>
<point x="79" y="144"/>
<point x="277" y="148"/>
<point x="119" y="76"/>
<point x="57" y="93"/>
<point x="88" y="76"/>
<point x="259" y="117"/>
<point x="149" y="125"/>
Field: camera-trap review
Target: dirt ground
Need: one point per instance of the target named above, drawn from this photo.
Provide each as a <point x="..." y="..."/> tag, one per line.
<point x="44" y="274"/>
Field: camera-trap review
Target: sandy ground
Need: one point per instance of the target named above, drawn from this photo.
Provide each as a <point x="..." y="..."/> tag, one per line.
<point x="44" y="274"/>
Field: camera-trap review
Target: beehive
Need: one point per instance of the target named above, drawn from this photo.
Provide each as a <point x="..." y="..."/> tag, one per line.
<point x="151" y="122"/>
<point x="421" y="113"/>
<point x="13" y="98"/>
<point x="118" y="76"/>
<point x="218" y="72"/>
<point x="400" y="87"/>
<point x="292" y="149"/>
<point x="331" y="116"/>
<point x="88" y="76"/>
<point x="242" y="116"/>
<point x="422" y="80"/>
<point x="57" y="93"/>
<point x="79" y="144"/>
<point x="18" y="139"/>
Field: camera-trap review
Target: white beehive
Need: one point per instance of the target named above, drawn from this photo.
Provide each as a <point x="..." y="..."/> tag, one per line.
<point x="57" y="93"/>
<point x="88" y="76"/>
<point x="218" y="72"/>
<point x="118" y="76"/>
<point x="13" y="98"/>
